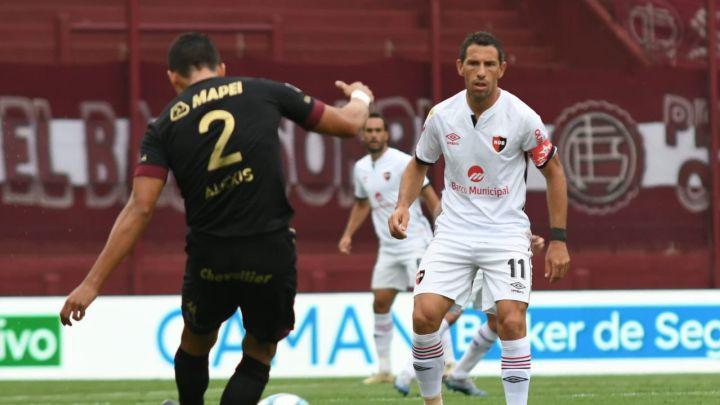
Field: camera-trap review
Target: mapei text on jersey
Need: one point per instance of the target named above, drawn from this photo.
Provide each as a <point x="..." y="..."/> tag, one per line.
<point x="216" y="93"/>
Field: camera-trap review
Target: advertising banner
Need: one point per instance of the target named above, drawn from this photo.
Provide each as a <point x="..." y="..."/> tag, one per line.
<point x="571" y="333"/>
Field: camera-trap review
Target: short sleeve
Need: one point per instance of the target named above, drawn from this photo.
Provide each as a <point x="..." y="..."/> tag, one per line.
<point x="153" y="159"/>
<point x="360" y="192"/>
<point x="536" y="141"/>
<point x="296" y="105"/>
<point x="428" y="147"/>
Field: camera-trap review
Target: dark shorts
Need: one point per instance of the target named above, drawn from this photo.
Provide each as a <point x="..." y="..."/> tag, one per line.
<point x="256" y="274"/>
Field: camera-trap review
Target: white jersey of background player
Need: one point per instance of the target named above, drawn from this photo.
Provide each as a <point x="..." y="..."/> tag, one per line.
<point x="377" y="180"/>
<point x="486" y="135"/>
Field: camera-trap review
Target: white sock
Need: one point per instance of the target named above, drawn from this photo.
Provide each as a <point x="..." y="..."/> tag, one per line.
<point x="429" y="362"/>
<point x="383" y="338"/>
<point x="444" y="332"/>
<point x="481" y="343"/>
<point x="516" y="370"/>
<point x="408" y="372"/>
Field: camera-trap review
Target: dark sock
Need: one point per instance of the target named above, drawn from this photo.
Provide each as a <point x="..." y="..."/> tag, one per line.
<point x="191" y="377"/>
<point x="247" y="384"/>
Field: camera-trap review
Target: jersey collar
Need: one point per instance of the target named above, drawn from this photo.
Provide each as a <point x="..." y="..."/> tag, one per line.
<point x="468" y="114"/>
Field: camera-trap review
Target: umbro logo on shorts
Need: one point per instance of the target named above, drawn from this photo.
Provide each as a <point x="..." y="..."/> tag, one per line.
<point x="518" y="285"/>
<point x="514" y="379"/>
<point x="419" y="277"/>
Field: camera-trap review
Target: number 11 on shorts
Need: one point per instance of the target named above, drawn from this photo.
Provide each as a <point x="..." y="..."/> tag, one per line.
<point x="521" y="264"/>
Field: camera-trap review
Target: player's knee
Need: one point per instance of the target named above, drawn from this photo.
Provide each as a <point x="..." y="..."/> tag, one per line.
<point x="425" y="321"/>
<point x="197" y="344"/>
<point x="512" y="326"/>
<point x="381" y="306"/>
<point x="262" y="351"/>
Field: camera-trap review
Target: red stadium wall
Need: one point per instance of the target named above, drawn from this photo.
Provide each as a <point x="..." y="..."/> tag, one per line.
<point x="621" y="84"/>
<point x="644" y="226"/>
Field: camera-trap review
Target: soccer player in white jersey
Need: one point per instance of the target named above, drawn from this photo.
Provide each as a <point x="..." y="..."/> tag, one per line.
<point x="377" y="180"/>
<point x="486" y="135"/>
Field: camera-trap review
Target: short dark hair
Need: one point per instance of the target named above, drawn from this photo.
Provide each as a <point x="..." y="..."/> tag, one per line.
<point x="481" y="38"/>
<point x="378" y="115"/>
<point x="192" y="50"/>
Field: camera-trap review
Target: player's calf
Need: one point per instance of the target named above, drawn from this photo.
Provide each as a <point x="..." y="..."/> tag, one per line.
<point x="247" y="383"/>
<point x="191" y="377"/>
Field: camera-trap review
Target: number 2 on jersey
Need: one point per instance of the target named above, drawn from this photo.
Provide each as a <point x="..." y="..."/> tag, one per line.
<point x="217" y="160"/>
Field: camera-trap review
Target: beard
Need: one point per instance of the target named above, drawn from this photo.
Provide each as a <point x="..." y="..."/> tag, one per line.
<point x="375" y="149"/>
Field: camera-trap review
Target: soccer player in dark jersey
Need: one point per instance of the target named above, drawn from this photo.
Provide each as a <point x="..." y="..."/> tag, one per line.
<point x="219" y="138"/>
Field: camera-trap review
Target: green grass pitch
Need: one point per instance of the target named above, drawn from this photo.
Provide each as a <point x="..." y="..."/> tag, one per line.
<point x="616" y="390"/>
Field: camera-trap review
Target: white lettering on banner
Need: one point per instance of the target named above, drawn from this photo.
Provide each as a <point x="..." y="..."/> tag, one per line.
<point x="40" y="343"/>
<point x="691" y="334"/>
<point x="613" y="335"/>
<point x="554" y="336"/>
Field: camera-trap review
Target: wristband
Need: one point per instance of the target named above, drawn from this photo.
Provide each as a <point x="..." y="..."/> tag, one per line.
<point x="362" y="96"/>
<point x="558" y="234"/>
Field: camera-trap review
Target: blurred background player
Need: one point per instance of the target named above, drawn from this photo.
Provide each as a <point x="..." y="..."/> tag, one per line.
<point x="376" y="181"/>
<point x="458" y="379"/>
<point x="219" y="137"/>
<point x="483" y="225"/>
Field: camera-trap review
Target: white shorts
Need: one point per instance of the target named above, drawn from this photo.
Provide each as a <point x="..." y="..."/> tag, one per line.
<point x="395" y="271"/>
<point x="450" y="267"/>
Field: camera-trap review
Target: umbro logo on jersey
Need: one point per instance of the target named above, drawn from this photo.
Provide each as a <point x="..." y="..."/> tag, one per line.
<point x="419" y="277"/>
<point x="499" y="143"/>
<point x="378" y="196"/>
<point x="453" y="138"/>
<point x="386" y="175"/>
<point x="476" y="174"/>
<point x="518" y="285"/>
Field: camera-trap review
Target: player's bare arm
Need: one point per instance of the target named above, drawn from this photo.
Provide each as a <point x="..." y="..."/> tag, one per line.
<point x="358" y="214"/>
<point x="431" y="200"/>
<point x="128" y="228"/>
<point x="557" y="258"/>
<point x="410" y="186"/>
<point x="350" y="118"/>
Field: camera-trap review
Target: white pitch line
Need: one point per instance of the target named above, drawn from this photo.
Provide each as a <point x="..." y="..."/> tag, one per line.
<point x="643" y="394"/>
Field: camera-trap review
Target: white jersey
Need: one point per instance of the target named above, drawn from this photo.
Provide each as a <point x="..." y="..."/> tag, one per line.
<point x="485" y="167"/>
<point x="379" y="182"/>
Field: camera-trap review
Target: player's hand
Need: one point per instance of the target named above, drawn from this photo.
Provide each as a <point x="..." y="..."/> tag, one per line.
<point x="345" y="244"/>
<point x="77" y="302"/>
<point x="398" y="222"/>
<point x="347" y="89"/>
<point x="537" y="244"/>
<point x="557" y="261"/>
